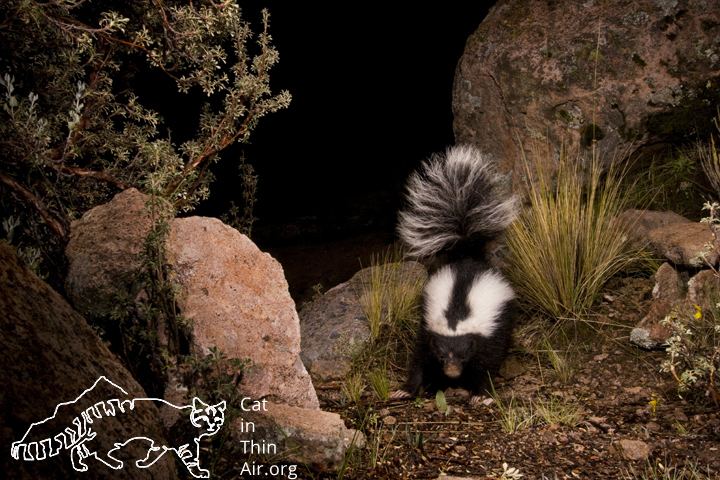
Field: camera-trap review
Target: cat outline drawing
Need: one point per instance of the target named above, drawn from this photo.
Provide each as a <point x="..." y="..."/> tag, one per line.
<point x="77" y="438"/>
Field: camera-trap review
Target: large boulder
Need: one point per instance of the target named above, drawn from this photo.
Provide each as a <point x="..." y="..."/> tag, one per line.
<point x="49" y="355"/>
<point x="685" y="243"/>
<point x="235" y="296"/>
<point x="640" y="222"/>
<point x="624" y="73"/>
<point x="237" y="300"/>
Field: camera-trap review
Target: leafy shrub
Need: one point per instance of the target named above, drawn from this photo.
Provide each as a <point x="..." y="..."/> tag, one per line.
<point x="694" y="344"/>
<point x="694" y="352"/>
<point x="76" y="124"/>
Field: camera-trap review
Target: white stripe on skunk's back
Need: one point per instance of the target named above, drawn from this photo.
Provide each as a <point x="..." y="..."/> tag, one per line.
<point x="487" y="296"/>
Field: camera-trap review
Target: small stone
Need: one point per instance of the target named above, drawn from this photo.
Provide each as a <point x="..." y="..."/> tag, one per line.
<point x="600" y="357"/>
<point x="633" y="449"/>
<point x="653" y="427"/>
<point x="634" y="390"/>
<point x="547" y="437"/>
<point x="647" y="339"/>
<point x="679" y="415"/>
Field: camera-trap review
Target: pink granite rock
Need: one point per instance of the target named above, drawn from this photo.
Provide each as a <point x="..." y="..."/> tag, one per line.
<point x="237" y="300"/>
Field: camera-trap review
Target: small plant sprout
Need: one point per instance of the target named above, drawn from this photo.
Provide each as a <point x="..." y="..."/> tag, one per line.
<point x="693" y="351"/>
<point x="441" y="403"/>
<point x="555" y="411"/>
<point x="380" y="383"/>
<point x="513" y="415"/>
<point x="510" y="473"/>
<point x="353" y="388"/>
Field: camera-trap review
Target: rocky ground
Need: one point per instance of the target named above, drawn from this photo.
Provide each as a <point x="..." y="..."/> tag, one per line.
<point x="604" y="410"/>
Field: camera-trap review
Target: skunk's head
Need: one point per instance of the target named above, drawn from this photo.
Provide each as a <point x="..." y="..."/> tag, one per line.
<point x="452" y="352"/>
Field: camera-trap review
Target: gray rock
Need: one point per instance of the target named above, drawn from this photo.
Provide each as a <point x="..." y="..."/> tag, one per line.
<point x="49" y="355"/>
<point x="539" y="70"/>
<point x="335" y="326"/>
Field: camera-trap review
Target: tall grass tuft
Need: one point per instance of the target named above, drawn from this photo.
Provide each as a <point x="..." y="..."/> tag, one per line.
<point x="390" y="296"/>
<point x="568" y="242"/>
<point x="391" y="299"/>
<point x="380" y="383"/>
<point x="710" y="158"/>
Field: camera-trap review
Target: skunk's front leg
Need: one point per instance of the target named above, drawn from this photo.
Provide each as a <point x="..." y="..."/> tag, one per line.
<point x="415" y="380"/>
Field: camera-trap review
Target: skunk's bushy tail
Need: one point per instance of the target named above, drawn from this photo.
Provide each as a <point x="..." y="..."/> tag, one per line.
<point x="453" y="200"/>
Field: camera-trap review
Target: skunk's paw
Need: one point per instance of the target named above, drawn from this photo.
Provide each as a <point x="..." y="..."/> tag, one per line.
<point x="400" y="394"/>
<point x="476" y="400"/>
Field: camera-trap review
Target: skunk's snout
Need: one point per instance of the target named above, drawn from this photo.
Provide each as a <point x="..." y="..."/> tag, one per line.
<point x="452" y="367"/>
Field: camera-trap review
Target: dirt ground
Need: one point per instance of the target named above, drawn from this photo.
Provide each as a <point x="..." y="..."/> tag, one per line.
<point x="629" y="420"/>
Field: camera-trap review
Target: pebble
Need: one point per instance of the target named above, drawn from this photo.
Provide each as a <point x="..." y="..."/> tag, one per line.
<point x="653" y="427"/>
<point x="634" y="449"/>
<point x="679" y="415"/>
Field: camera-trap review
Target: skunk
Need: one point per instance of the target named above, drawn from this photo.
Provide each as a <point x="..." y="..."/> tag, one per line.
<point x="455" y="206"/>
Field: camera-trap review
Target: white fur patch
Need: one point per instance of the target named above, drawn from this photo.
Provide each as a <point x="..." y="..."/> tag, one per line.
<point x="486" y="298"/>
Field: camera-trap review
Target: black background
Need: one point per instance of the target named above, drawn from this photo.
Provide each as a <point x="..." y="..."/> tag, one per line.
<point x="371" y="85"/>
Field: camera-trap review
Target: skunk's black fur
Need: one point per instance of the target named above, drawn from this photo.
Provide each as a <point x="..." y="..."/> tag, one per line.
<point x="455" y="205"/>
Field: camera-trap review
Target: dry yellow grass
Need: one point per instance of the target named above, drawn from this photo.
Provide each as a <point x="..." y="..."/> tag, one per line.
<point x="568" y="241"/>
